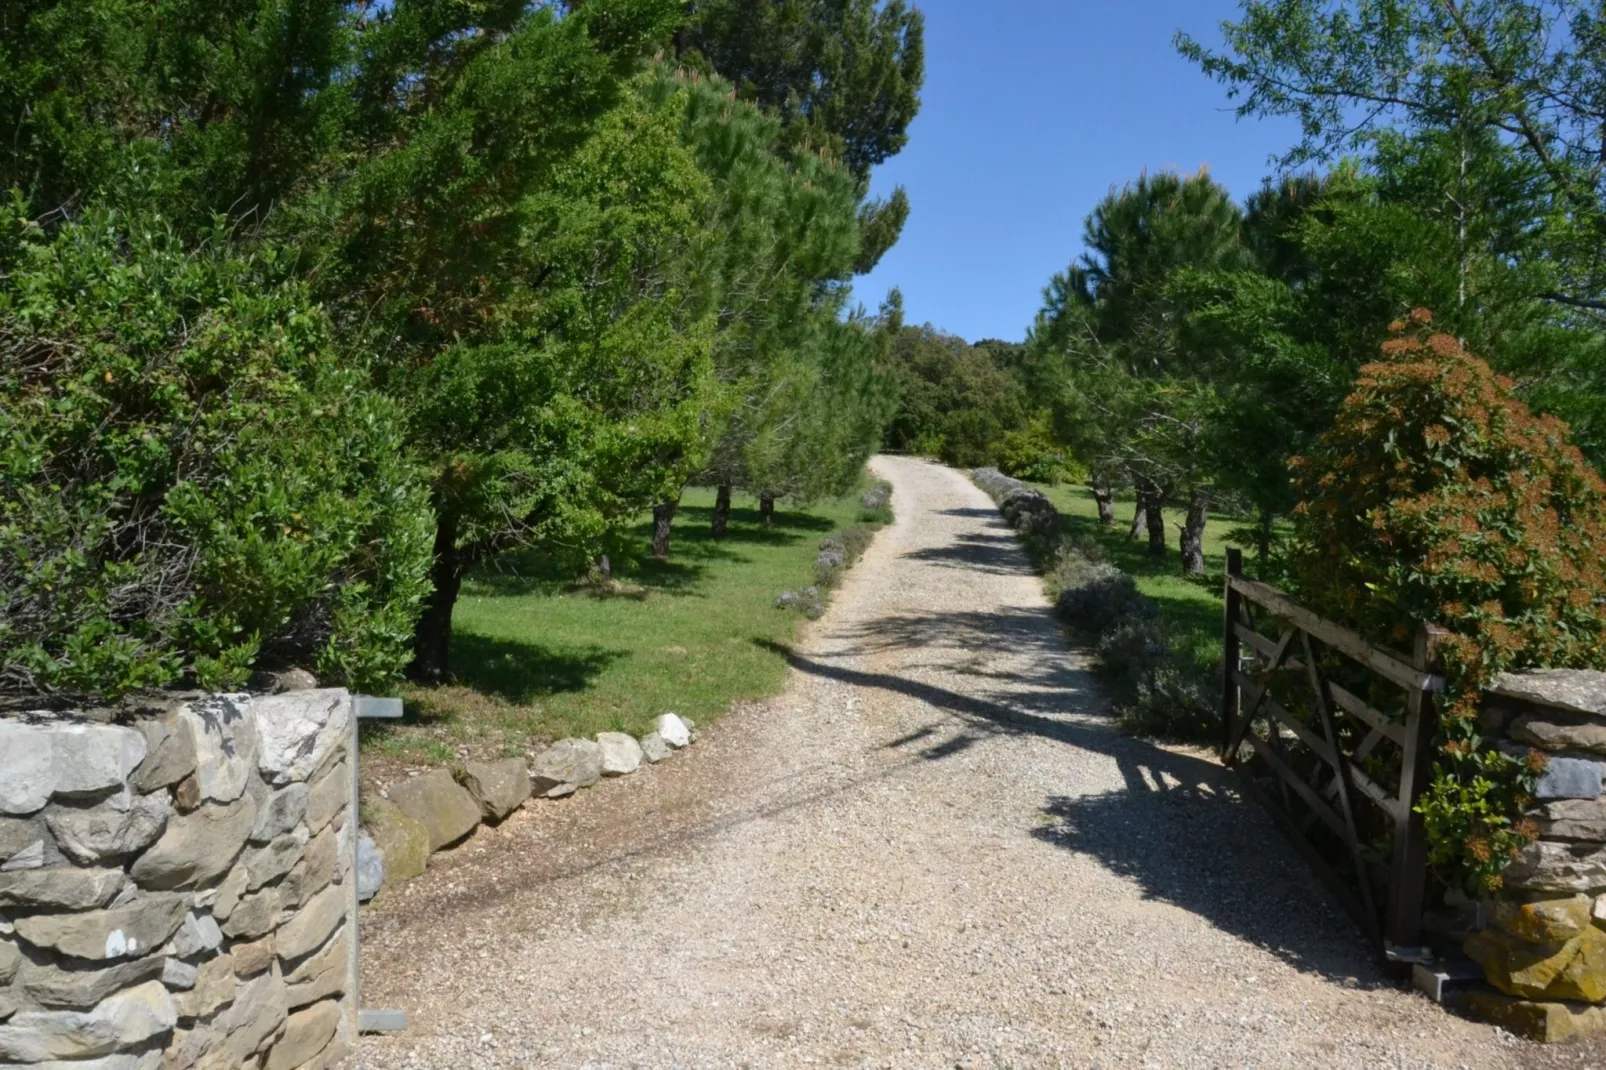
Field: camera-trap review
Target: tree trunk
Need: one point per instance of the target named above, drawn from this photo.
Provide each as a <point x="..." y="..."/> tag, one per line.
<point x="766" y="509"/>
<point x="1263" y="535"/>
<point x="1154" y="516"/>
<point x="722" y="510"/>
<point x="604" y="568"/>
<point x="1104" y="497"/>
<point x="663" y="515"/>
<point x="432" y="639"/>
<point x="1138" y="518"/>
<point x="1193" y="529"/>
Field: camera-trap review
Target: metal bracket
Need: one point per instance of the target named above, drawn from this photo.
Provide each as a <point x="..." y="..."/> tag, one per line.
<point x="368" y="707"/>
<point x="372" y="706"/>
<point x="377" y="1021"/>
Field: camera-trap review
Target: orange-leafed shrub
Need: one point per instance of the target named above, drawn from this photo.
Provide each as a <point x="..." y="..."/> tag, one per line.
<point x="1438" y="496"/>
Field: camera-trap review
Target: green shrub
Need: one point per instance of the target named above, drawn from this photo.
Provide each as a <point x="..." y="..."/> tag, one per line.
<point x="190" y="483"/>
<point x="1438" y="497"/>
<point x="1030" y="454"/>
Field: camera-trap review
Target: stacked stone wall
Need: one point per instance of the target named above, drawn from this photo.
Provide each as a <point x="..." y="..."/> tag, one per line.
<point x="1542" y="944"/>
<point x="175" y="888"/>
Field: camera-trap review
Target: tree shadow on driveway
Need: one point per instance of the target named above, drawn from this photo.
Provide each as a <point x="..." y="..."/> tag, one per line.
<point x="1179" y="827"/>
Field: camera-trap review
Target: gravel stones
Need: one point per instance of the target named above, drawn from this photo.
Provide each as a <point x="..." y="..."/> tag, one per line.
<point x="621" y="754"/>
<point x="439" y="803"/>
<point x="566" y="765"/>
<point x="497" y="788"/>
<point x="197" y="847"/>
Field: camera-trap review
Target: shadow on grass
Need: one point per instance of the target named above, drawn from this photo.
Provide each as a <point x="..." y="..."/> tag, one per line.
<point x="520" y="672"/>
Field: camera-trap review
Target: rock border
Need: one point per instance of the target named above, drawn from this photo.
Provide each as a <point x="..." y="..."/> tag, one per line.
<point x="435" y="810"/>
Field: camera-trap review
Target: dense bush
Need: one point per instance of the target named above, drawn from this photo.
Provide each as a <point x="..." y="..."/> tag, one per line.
<point x="190" y="482"/>
<point x="1154" y="689"/>
<point x="1438" y="497"/>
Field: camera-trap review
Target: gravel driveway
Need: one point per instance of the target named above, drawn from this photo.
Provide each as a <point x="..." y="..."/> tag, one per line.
<point x="932" y="851"/>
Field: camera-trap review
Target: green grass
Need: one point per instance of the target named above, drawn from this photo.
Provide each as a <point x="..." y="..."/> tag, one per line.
<point x="538" y="658"/>
<point x="1192" y="605"/>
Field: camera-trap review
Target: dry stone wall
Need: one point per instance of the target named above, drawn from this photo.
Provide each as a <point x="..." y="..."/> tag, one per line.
<point x="1542" y="945"/>
<point x="176" y="891"/>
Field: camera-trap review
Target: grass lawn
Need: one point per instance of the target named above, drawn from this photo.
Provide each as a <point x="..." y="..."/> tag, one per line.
<point x="540" y="658"/>
<point x="1193" y="606"/>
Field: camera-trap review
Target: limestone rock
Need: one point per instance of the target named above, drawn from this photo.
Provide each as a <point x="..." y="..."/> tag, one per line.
<point x="19" y="833"/>
<point x="230" y="891"/>
<point x="254" y="957"/>
<point x="61" y="887"/>
<point x="10" y="960"/>
<point x="1572" y="819"/>
<point x="1548" y="1022"/>
<point x="1558" y="867"/>
<point x="198" y="847"/>
<point x="169" y="754"/>
<point x="1517" y="967"/>
<point x="298" y="729"/>
<point x="621" y="754"/>
<point x="404" y="842"/>
<point x="568" y="763"/>
<point x="119" y="826"/>
<point x="1577" y="690"/>
<point x="312" y="924"/>
<point x="1560" y="732"/>
<point x="280" y="813"/>
<point x="224" y="729"/>
<point x="63" y="986"/>
<point x="330" y="794"/>
<point x="306" y="1033"/>
<point x="1544" y="921"/>
<point x="255" y="916"/>
<point x="269" y="863"/>
<point x="653" y="747"/>
<point x="320" y="976"/>
<point x="497" y="788"/>
<point x="120" y="932"/>
<point x="319" y="863"/>
<point x="125" y="1020"/>
<point x="440" y="804"/>
<point x="1569" y="778"/>
<point x="30" y="857"/>
<point x="213" y="988"/>
<point x="1583" y="978"/>
<point x="196" y="934"/>
<point x="370" y="867"/>
<point x="672" y="729"/>
<point x="255" y="1015"/>
<point x="177" y="974"/>
<point x="41" y="761"/>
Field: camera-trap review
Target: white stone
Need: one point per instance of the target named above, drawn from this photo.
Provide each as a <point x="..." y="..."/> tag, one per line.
<point x="621" y="754"/>
<point x="224" y="730"/>
<point x="125" y="1020"/>
<point x="298" y="729"/>
<point x="672" y="729"/>
<point x="39" y="761"/>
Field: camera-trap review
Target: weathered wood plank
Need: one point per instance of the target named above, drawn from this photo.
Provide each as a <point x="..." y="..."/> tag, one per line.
<point x="1358" y="707"/>
<point x="1288" y="777"/>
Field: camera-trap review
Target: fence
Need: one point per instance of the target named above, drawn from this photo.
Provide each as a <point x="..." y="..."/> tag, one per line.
<point x="1338" y="734"/>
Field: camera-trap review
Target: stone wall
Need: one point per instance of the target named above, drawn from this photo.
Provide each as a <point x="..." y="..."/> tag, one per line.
<point x="1543" y="942"/>
<point x="174" y="887"/>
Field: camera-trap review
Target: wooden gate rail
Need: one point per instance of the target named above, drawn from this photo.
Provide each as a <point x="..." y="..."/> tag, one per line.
<point x="1332" y="795"/>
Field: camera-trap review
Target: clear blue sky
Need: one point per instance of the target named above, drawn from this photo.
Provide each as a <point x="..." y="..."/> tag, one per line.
<point x="1032" y="110"/>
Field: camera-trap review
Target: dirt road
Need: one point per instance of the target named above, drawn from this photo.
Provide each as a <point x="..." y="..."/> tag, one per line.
<point x="932" y="851"/>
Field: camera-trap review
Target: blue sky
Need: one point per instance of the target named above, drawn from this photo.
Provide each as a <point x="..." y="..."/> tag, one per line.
<point x="1032" y="110"/>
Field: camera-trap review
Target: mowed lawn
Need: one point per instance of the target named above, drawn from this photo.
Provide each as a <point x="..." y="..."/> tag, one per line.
<point x="541" y="658"/>
<point x="1193" y="605"/>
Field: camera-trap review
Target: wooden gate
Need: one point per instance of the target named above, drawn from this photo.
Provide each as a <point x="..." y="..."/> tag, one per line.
<point x="1334" y="737"/>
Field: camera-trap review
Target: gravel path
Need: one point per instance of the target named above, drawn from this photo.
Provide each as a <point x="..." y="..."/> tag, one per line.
<point x="933" y="850"/>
